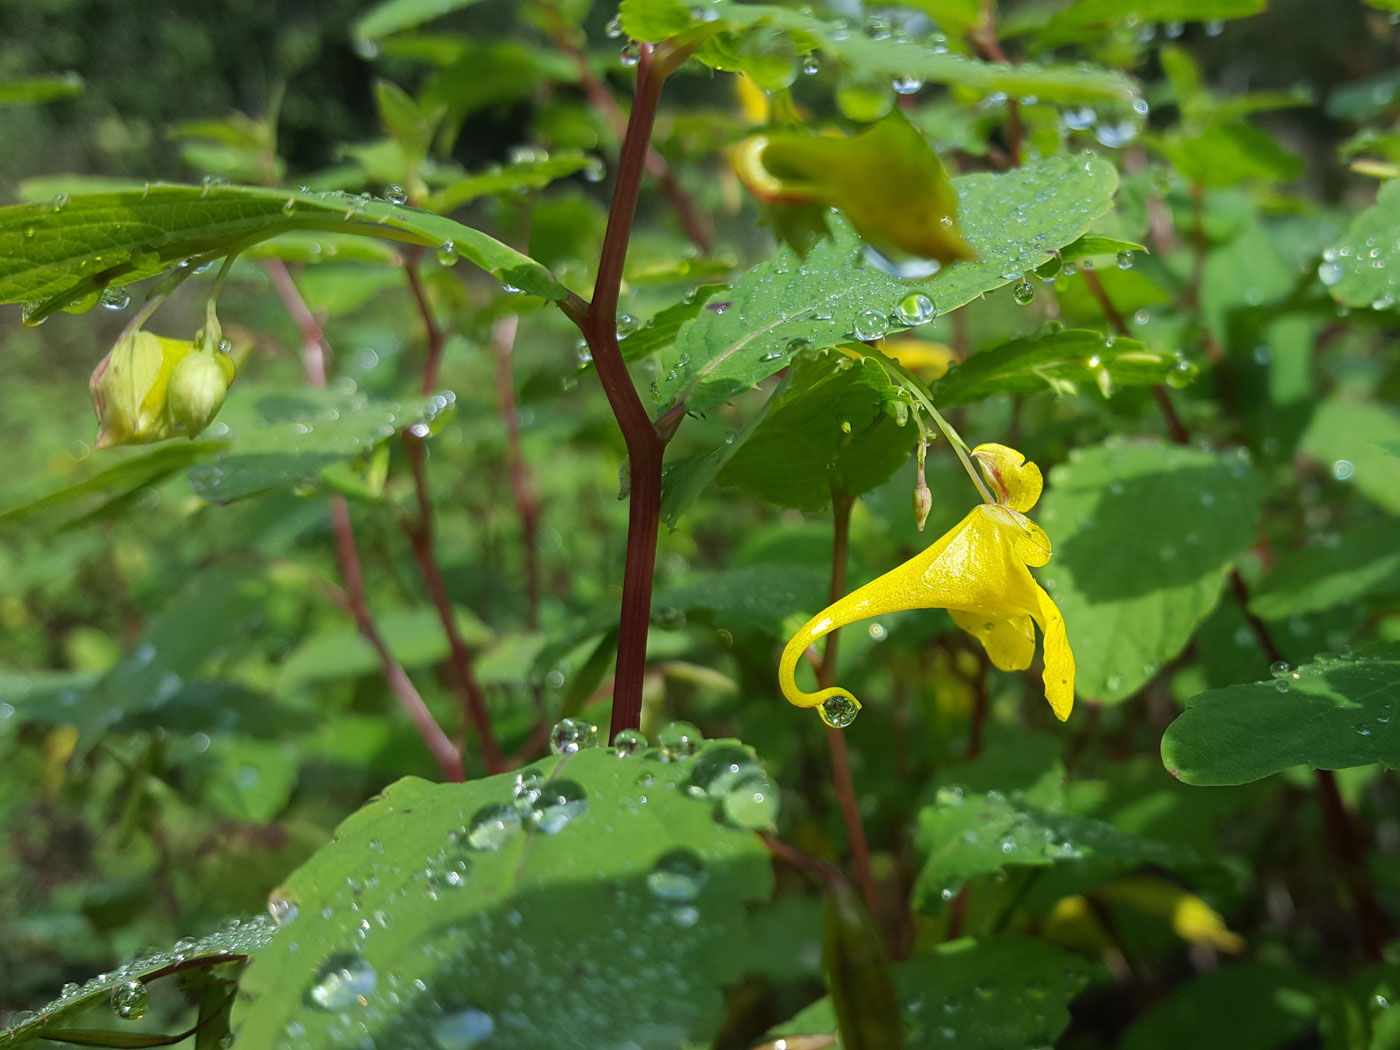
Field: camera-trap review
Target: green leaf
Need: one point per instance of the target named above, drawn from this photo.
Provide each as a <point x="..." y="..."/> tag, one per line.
<point x="117" y="482"/>
<point x="393" y="16"/>
<point x="60" y="253"/>
<point x="964" y="836"/>
<point x="1144" y="535"/>
<point x="1245" y="1006"/>
<point x="532" y="174"/>
<point x="414" y="636"/>
<point x="1342" y="567"/>
<point x="1363" y="268"/>
<point x="1006" y="993"/>
<point x="27" y="91"/>
<point x="750" y="331"/>
<point x="232" y="944"/>
<point x="1086" y="19"/>
<point x="1062" y="361"/>
<point x="894" y="56"/>
<point x="287" y="437"/>
<point x="1333" y="713"/>
<point x="525" y="941"/>
<point x="1229" y="152"/>
<point x="832" y="429"/>
<point x="1356" y="442"/>
<point x="749" y="598"/>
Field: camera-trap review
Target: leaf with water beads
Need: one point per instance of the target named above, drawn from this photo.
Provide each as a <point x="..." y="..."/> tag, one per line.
<point x="1333" y="713"/>
<point x="1012" y="221"/>
<point x="585" y="919"/>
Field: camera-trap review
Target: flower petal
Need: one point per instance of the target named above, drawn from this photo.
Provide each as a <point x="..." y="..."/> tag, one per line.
<point x="1059" y="658"/>
<point x="1016" y="483"/>
<point x="1010" y="642"/>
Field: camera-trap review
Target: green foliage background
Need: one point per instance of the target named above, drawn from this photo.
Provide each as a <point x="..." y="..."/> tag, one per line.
<point x="214" y="791"/>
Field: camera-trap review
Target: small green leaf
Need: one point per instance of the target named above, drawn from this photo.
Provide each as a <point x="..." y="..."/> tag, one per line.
<point x="1354" y="441"/>
<point x="1341" y="568"/>
<point x="1363" y="268"/>
<point x="1064" y="361"/>
<point x="1007" y="993"/>
<point x="964" y="836"/>
<point x="749" y="331"/>
<point x="480" y="924"/>
<point x="1143" y="536"/>
<point x="28" y="91"/>
<point x="1229" y="152"/>
<point x="393" y="16"/>
<point x="830" y="430"/>
<point x="530" y="174"/>
<point x="1333" y="713"/>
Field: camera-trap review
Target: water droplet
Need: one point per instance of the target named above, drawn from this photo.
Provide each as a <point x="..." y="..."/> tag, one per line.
<point x="906" y="85"/>
<point x="491" y="827"/>
<point x="1330" y="272"/>
<point x="343" y="980"/>
<point x="1363" y="730"/>
<point x="115" y="299"/>
<point x="626" y="325"/>
<point x="1215" y="27"/>
<point x="1079" y="118"/>
<point x="613" y="30"/>
<point x="447" y="253"/>
<point x="719" y="768"/>
<point x="1023" y="293"/>
<point x="1283" y="684"/>
<point x="395" y="194"/>
<point x="572" y="735"/>
<point x="678" y="741"/>
<point x="838" y="711"/>
<point x="130" y="1000"/>
<point x="462" y="1029"/>
<point x="630" y="54"/>
<point x="630" y="742"/>
<point x="678" y="876"/>
<point x="1125" y="260"/>
<point x="870" y="325"/>
<point x="560" y="803"/>
<point x="811" y="65"/>
<point x="281" y="907"/>
<point x="1280" y="668"/>
<point x="1343" y="469"/>
<point x="915" y="309"/>
<point x="752" y="802"/>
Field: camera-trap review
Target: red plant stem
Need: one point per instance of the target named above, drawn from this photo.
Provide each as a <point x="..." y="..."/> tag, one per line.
<point x="420" y="536"/>
<point x="522" y="486"/>
<point x="985" y="38"/>
<point x="446" y="753"/>
<point x="313" y="340"/>
<point x="315" y="350"/>
<point x="696" y="228"/>
<point x="1373" y="926"/>
<point x="645" y="442"/>
<point x="434" y="334"/>
<point x="842" y="779"/>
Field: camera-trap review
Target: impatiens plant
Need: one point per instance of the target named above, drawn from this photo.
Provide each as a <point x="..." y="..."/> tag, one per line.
<point x="371" y="684"/>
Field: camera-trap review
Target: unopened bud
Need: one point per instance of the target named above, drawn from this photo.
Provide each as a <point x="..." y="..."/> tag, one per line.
<point x="923" y="503"/>
<point x="129" y="387"/>
<point x="198" y="384"/>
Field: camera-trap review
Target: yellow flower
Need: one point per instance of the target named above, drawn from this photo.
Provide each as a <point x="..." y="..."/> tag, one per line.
<point x="980" y="572"/>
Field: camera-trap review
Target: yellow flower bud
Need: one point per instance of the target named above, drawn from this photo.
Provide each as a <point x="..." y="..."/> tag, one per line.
<point x="129" y="389"/>
<point x="198" y="384"/>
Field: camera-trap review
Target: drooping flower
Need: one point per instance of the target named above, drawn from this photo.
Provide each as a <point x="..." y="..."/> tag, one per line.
<point x="980" y="572"/>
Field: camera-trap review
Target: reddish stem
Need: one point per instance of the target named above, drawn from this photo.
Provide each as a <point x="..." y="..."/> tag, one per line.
<point x="522" y="487"/>
<point x="842" y="779"/>
<point x="434" y="334"/>
<point x="313" y="340"/>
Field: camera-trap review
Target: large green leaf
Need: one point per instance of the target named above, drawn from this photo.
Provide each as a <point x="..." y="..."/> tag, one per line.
<point x="287" y="437"/>
<point x="1342" y="567"/>
<point x="1062" y="361"/>
<point x="963" y="836"/>
<point x="1363" y="268"/>
<point x="613" y="918"/>
<point x="1335" y="712"/>
<point x="833" y="429"/>
<point x="1007" y="993"/>
<point x="859" y="53"/>
<point x="1144" y="534"/>
<point x="126" y="985"/>
<point x="749" y="331"/>
<point x="1356" y="442"/>
<point x="66" y="251"/>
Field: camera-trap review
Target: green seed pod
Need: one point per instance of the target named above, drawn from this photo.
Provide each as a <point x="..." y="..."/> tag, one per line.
<point x="198" y="384"/>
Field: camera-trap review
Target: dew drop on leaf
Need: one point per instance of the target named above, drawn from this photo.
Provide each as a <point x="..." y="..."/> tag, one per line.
<point x="678" y="876"/>
<point x="679" y="741"/>
<point x="630" y="742"/>
<point x="492" y="826"/>
<point x="343" y="980"/>
<point x="130" y="1000"/>
<point x="560" y="803"/>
